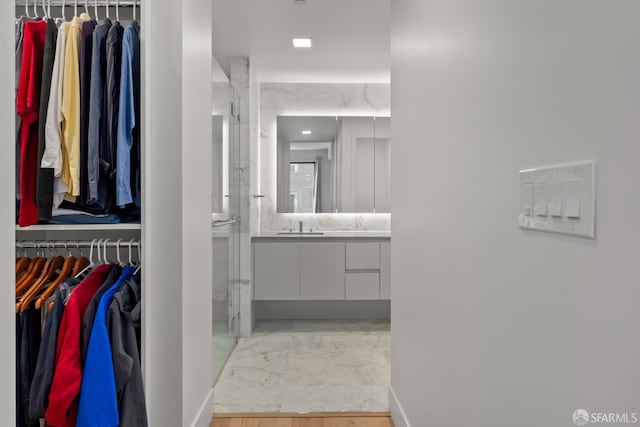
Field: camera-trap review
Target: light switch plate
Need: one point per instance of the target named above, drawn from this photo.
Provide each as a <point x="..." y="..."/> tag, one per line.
<point x="563" y="199"/>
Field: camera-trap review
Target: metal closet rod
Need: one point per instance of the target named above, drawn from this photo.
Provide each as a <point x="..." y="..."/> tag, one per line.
<point x="74" y="244"/>
<point x="90" y="3"/>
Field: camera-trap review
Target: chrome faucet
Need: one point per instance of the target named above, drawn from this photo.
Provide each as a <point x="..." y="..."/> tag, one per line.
<point x="300" y="226"/>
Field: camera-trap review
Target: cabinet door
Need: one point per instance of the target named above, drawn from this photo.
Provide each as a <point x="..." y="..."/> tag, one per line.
<point x="363" y="286"/>
<point x="385" y="270"/>
<point x="276" y="271"/>
<point x="363" y="255"/>
<point x="322" y="268"/>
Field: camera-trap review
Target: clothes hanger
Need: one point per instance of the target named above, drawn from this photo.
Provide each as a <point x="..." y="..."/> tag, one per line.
<point x="130" y="251"/>
<point x="106" y="8"/>
<point x="75" y="8"/>
<point x="134" y="10"/>
<point x="95" y="10"/>
<point x="81" y="261"/>
<point x="62" y="11"/>
<point x="65" y="272"/>
<point x="35" y="268"/>
<point x="27" y="287"/>
<point x="35" y="8"/>
<point x="118" y="10"/>
<point x="54" y="264"/>
<point x="120" y="263"/>
<point x="104" y="252"/>
<point x="91" y="263"/>
<point x="139" y="260"/>
<point x="22" y="262"/>
<point x="44" y="9"/>
<point x="26" y="8"/>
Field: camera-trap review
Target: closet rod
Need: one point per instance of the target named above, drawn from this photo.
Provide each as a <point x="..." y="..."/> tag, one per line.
<point x="91" y="3"/>
<point x="73" y="244"/>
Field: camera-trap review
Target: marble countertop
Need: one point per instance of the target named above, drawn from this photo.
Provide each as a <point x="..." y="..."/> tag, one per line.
<point x="329" y="234"/>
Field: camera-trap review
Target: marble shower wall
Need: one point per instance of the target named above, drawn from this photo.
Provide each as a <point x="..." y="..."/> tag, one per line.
<point x="310" y="99"/>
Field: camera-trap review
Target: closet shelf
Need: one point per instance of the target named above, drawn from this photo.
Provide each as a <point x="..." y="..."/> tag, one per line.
<point x="80" y="227"/>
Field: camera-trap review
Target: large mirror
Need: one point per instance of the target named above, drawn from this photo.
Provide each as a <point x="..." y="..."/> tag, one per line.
<point x="333" y="164"/>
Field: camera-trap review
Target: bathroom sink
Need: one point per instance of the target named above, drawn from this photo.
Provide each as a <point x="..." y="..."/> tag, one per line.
<point x="302" y="233"/>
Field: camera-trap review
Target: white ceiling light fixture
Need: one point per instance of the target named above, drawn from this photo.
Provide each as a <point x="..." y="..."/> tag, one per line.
<point x="306" y="132"/>
<point x="302" y="42"/>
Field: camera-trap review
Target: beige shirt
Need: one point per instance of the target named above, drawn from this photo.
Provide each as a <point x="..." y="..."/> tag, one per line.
<point x="71" y="105"/>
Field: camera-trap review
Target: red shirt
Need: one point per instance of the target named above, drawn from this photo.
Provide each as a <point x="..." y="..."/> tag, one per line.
<point x="27" y="105"/>
<point x="67" y="377"/>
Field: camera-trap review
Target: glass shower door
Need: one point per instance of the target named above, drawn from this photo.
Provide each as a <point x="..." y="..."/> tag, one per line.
<point x="226" y="239"/>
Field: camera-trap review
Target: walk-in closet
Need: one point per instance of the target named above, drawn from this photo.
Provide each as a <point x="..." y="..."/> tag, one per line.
<point x="97" y="106"/>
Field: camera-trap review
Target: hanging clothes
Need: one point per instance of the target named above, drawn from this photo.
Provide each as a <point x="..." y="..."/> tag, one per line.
<point x="98" y="194"/>
<point x="124" y="328"/>
<point x="129" y="117"/>
<point x="55" y="155"/>
<point x="65" y="388"/>
<point x="28" y="106"/>
<point x="98" y="405"/>
<point x="44" y="182"/>
<point x="71" y="105"/>
<point x="43" y="376"/>
<point x="108" y="155"/>
<point x="86" y="49"/>
<point x="92" y="308"/>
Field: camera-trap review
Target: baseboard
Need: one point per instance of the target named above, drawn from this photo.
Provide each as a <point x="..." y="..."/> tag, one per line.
<point x="322" y="310"/>
<point x="205" y="413"/>
<point x="398" y="415"/>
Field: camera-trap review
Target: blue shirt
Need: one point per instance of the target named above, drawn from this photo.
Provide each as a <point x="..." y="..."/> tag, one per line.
<point x="98" y="405"/>
<point x="129" y="90"/>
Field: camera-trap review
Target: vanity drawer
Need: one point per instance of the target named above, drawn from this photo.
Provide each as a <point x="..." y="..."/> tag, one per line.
<point x="363" y="286"/>
<point x="363" y="255"/>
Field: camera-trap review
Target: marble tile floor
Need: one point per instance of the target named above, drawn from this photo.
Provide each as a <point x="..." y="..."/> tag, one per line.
<point x="308" y="366"/>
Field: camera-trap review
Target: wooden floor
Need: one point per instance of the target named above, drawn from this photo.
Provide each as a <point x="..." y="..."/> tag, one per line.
<point x="302" y="420"/>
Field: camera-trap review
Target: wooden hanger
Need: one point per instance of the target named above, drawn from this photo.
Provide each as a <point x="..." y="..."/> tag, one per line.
<point x="35" y="267"/>
<point x="65" y="272"/>
<point x="54" y="266"/>
<point x="21" y="265"/>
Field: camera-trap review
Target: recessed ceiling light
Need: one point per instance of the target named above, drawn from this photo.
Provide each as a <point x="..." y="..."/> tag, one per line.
<point x="302" y="42"/>
<point x="306" y="132"/>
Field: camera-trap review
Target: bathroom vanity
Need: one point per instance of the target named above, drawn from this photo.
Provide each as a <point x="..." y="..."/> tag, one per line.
<point x="323" y="267"/>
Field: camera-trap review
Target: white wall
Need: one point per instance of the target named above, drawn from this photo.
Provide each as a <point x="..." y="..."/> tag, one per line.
<point x="162" y="213"/>
<point x="493" y="326"/>
<point x="197" y="245"/>
<point x="312" y="99"/>
<point x="7" y="217"/>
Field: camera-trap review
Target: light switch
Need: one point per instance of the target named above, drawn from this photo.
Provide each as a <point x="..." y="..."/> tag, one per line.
<point x="559" y="199"/>
<point x="541" y="199"/>
<point x="527" y="198"/>
<point x="555" y="200"/>
<point x="574" y="188"/>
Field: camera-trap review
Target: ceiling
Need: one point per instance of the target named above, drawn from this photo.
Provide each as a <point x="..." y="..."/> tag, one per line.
<point x="322" y="129"/>
<point x="350" y="39"/>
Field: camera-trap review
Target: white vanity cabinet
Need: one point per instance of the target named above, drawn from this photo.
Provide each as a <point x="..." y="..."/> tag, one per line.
<point x="385" y="270"/>
<point x="321" y="268"/>
<point x="276" y="271"/>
